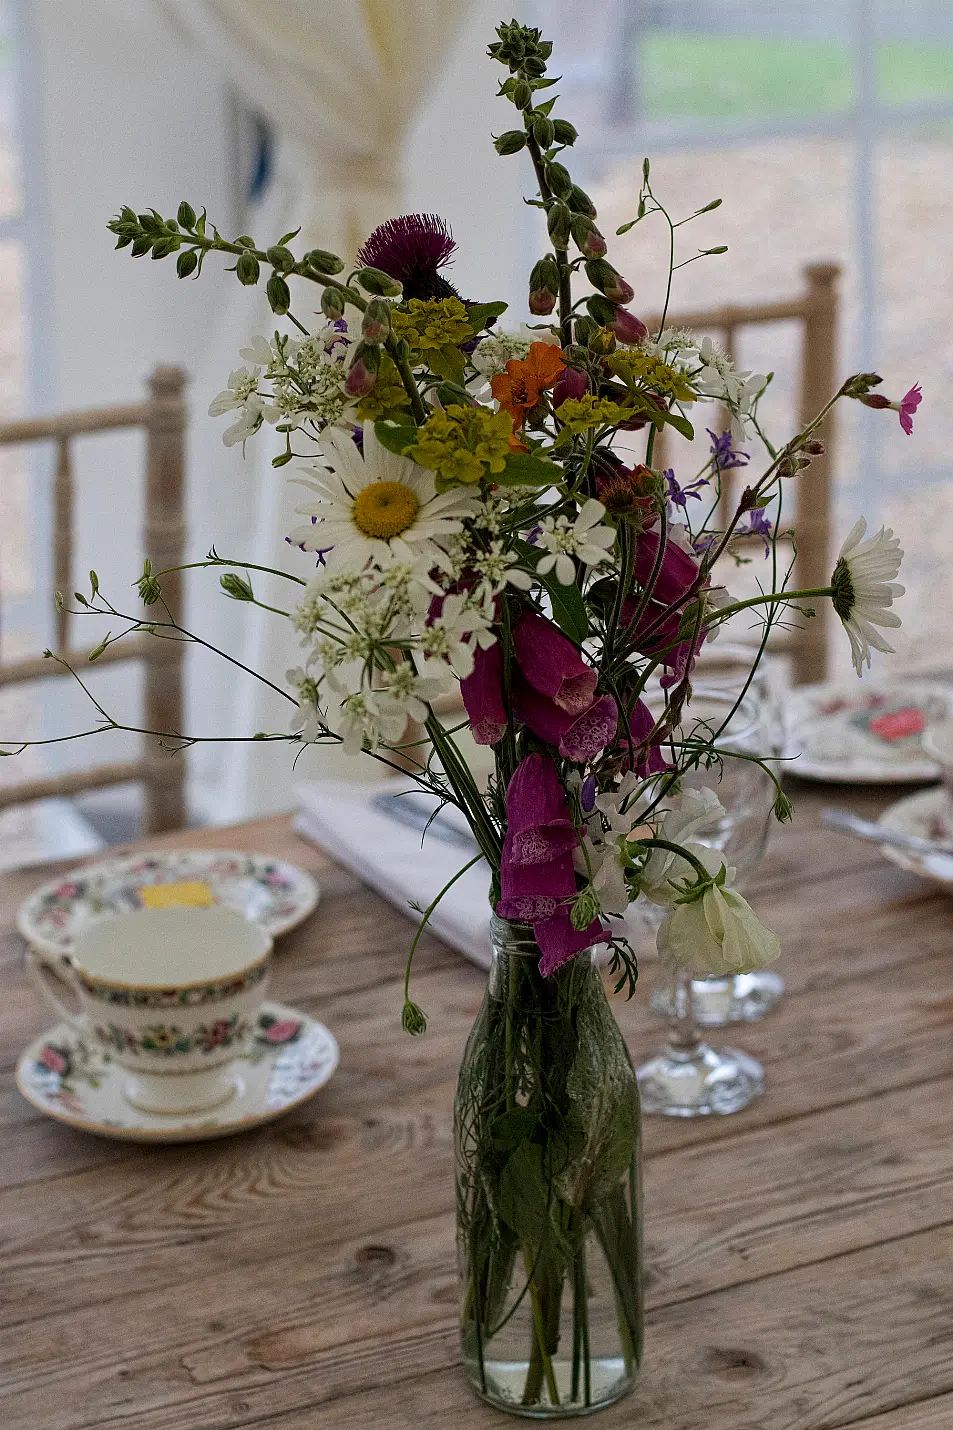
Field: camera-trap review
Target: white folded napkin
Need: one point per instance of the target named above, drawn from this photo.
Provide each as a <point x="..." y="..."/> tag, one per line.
<point x="347" y="819"/>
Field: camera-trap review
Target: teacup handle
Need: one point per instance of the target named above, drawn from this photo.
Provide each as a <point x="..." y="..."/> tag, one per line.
<point x="45" y="979"/>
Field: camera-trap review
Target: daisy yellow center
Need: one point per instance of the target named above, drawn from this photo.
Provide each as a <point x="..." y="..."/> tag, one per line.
<point x="385" y="509"/>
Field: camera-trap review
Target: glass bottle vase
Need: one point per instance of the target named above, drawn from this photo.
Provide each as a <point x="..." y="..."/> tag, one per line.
<point x="549" y="1223"/>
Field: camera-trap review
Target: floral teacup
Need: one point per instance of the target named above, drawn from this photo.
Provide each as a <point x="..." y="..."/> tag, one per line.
<point x="170" y="995"/>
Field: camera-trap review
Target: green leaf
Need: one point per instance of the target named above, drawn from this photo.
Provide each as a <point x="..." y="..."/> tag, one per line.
<point x="287" y="237"/>
<point x="524" y="1195"/>
<point x="569" y="609"/>
<point x="526" y="469"/>
<point x="447" y="362"/>
<point x="680" y="423"/>
<point x="481" y="313"/>
<point x="395" y="437"/>
<point x="513" y="1127"/>
<point x="545" y="108"/>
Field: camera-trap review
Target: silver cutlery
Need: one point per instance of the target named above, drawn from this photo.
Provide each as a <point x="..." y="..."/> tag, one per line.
<point x="848" y="823"/>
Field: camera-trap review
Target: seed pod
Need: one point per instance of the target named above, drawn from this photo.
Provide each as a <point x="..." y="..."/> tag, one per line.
<point x="558" y="222"/>
<point x="323" y="262"/>
<point x="374" y="280"/>
<point x="187" y="262"/>
<point x="248" y="269"/>
<point x="375" y="325"/>
<point x="279" y="294"/>
<point x="511" y="142"/>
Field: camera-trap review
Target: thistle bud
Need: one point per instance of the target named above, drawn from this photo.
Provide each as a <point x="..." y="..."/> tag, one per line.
<point x="279" y="294"/>
<point x="374" y="280"/>
<point x="543" y="131"/>
<point x="587" y="237"/>
<point x="323" y="262"/>
<point x="187" y="262"/>
<point x="247" y="268"/>
<point x="375" y="325"/>
<point x="580" y="202"/>
<point x="522" y="95"/>
<point x="332" y="304"/>
<point x="557" y="177"/>
<point x="558" y="222"/>
<point x="186" y="215"/>
<point x="511" y="142"/>
<point x="628" y="328"/>
<point x="236" y="586"/>
<point x="570" y="383"/>
<point x="603" y="276"/>
<point x="362" y="373"/>
<point x="565" y="133"/>
<point x="600" y="310"/>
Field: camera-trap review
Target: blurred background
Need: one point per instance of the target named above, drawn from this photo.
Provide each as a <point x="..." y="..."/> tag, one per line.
<point x="825" y="128"/>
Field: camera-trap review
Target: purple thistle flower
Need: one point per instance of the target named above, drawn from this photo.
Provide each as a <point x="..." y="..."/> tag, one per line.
<point x="724" y="456"/>
<point x="413" y="248"/>
<point x="678" y="495"/>
<point x="758" y="525"/>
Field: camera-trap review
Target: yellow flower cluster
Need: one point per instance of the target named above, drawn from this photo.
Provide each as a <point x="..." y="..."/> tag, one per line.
<point x="387" y="398"/>
<point x="429" y="323"/>
<point x="578" y="414"/>
<point x="636" y="367"/>
<point x="461" y="444"/>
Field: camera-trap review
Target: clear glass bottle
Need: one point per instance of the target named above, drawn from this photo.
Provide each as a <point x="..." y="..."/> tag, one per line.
<point x="549" y="1219"/>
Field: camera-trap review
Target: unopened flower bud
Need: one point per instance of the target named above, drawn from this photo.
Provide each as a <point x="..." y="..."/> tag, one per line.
<point x="279" y="294"/>
<point x="187" y="262"/>
<point x="323" y="262"/>
<point x="875" y="400"/>
<point x="585" y="909"/>
<point x="603" y="276"/>
<point x="280" y="257"/>
<point x="186" y="215"/>
<point x="511" y="142"/>
<point x="362" y="373"/>
<point x="600" y="310"/>
<point x="543" y="286"/>
<point x="236" y="586"/>
<point x="570" y="383"/>
<point x="332" y="304"/>
<point x="580" y="202"/>
<point x="815" y="447"/>
<point x="583" y="329"/>
<point x="522" y="95"/>
<point x="413" y="1019"/>
<point x="147" y="585"/>
<point x="603" y="341"/>
<point x="565" y="133"/>
<point x="542" y="301"/>
<point x="558" y="221"/>
<point x="628" y="328"/>
<point x="587" y="237"/>
<point x="247" y="268"/>
<point x="373" y="280"/>
<point x="861" y="383"/>
<point x="557" y="177"/>
<point x="375" y="325"/>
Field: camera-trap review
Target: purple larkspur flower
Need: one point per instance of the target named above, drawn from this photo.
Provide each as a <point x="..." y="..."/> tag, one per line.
<point x="758" y="525"/>
<point x="413" y="248"/>
<point x="678" y="495"/>
<point x="724" y="456"/>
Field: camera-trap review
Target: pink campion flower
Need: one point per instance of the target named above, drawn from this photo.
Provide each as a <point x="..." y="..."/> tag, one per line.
<point x="577" y="737"/>
<point x="532" y="892"/>
<point x="907" y="406"/>
<point x="559" y="941"/>
<point x="552" y="664"/>
<point x="539" y="825"/>
<point x="482" y="694"/>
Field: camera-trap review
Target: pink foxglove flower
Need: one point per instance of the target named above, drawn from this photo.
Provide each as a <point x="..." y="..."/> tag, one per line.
<point x="552" y="664"/>
<point x="537" y="813"/>
<point x="577" y="737"/>
<point x="907" y="406"/>
<point x="533" y="892"/>
<point x="559" y="941"/>
<point x="482" y="694"/>
<point x="678" y="571"/>
<point x="572" y="382"/>
<point x="652" y="761"/>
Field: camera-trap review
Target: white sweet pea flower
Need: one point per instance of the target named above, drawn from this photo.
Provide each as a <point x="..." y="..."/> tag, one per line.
<point x="864" y="590"/>
<point x="717" y="934"/>
<point x="584" y="538"/>
<point x="664" y="871"/>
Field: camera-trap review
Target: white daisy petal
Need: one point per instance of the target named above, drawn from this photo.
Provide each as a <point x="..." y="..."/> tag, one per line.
<point x="864" y="590"/>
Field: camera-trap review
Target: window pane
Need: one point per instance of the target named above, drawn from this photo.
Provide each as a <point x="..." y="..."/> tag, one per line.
<point x="11" y="187"/>
<point x="726" y="76"/>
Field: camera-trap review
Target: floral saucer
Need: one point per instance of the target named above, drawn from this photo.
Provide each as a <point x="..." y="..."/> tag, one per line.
<point x="288" y="1058"/>
<point x="928" y="815"/>
<point x="863" y="734"/>
<point x="272" y="892"/>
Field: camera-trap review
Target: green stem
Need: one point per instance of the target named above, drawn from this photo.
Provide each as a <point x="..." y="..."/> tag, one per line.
<point x="426" y="919"/>
<point x="771" y="598"/>
<point x="539" y="1347"/>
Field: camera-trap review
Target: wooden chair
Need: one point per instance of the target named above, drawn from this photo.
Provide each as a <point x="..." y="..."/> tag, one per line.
<point x="816" y="310"/>
<point x="163" y="416"/>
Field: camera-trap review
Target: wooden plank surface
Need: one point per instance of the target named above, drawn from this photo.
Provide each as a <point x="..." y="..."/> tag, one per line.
<point x="800" y="1253"/>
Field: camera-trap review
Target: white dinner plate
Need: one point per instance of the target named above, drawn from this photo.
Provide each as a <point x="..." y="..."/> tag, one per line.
<point x="863" y="732"/>
<point x="929" y="815"/>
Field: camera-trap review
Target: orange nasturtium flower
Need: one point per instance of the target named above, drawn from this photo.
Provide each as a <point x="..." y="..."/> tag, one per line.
<point x="520" y="387"/>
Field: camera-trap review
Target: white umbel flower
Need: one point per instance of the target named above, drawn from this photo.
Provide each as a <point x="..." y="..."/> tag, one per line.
<point x="377" y="507"/>
<point x="242" y="396"/>
<point x="584" y="538"/>
<point x="865" y="589"/>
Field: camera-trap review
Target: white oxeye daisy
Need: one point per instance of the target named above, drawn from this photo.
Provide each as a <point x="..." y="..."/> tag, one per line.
<point x="380" y="506"/>
<point x="864" y="590"/>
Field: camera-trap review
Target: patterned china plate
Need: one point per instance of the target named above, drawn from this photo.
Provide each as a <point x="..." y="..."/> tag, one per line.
<point x="270" y="891"/>
<point x="861" y="733"/>
<point x="289" y="1057"/>
<point x="928" y="815"/>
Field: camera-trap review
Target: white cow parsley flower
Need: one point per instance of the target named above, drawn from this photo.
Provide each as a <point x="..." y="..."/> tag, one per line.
<point x="308" y="724"/>
<point x="240" y="395"/>
<point x="584" y="538"/>
<point x="864" y="590"/>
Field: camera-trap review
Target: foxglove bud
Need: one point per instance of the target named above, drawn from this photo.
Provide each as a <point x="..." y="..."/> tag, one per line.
<point x="628" y="328"/>
<point x="584" y="329"/>
<point x="580" y="202"/>
<point x="557" y="177"/>
<point x="522" y="95"/>
<point x="186" y="215"/>
<point x="543" y="286"/>
<point x="332" y="304"/>
<point x="279" y="294"/>
<point x="603" y="276"/>
<point x="571" y="383"/>
<point x="362" y="373"/>
<point x="187" y="262"/>
<point x="247" y="268"/>
<point x="280" y="257"/>
<point x="323" y="262"/>
<point x="600" y="310"/>
<point x="566" y="133"/>
<point x="511" y="142"/>
<point x="543" y="131"/>
<point x="375" y="325"/>
<point x="587" y="237"/>
<point x="558" y="222"/>
<point x="542" y="301"/>
<point x="373" y="280"/>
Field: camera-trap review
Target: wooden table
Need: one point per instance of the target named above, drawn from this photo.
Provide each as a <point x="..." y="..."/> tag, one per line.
<point x="302" y="1276"/>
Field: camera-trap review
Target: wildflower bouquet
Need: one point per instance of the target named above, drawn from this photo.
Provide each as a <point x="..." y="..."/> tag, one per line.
<point x="481" y="508"/>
